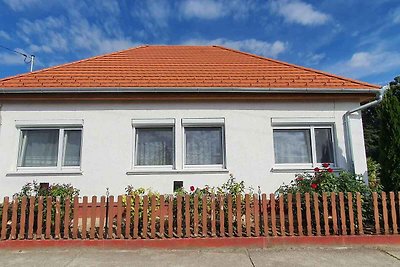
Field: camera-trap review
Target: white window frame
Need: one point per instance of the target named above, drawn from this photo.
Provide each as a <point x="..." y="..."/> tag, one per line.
<point x="148" y="124"/>
<point x="60" y="157"/>
<point x="312" y="128"/>
<point x="204" y="123"/>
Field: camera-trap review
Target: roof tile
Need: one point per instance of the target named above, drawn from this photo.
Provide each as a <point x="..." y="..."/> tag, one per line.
<point x="180" y="66"/>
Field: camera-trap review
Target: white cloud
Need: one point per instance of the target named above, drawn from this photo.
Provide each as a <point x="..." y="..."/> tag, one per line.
<point x="19" y="5"/>
<point x="365" y="63"/>
<point x="296" y="11"/>
<point x="4" y="35"/>
<point x="213" y="9"/>
<point x="396" y="16"/>
<point x="255" y="46"/>
<point x="12" y="58"/>
<point x="153" y="13"/>
<point x="204" y="9"/>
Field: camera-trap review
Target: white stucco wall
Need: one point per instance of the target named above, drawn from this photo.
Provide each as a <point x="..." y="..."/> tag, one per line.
<point x="108" y="141"/>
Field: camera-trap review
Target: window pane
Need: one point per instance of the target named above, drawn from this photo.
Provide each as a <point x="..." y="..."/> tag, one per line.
<point x="154" y="146"/>
<point x="39" y="148"/>
<point x="323" y="145"/>
<point x="72" y="147"/>
<point x="292" y="146"/>
<point x="204" y="145"/>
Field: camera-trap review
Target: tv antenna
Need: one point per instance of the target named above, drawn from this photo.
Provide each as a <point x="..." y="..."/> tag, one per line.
<point x="27" y="59"/>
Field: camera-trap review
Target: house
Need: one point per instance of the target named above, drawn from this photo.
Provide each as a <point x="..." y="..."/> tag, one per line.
<point x="165" y="116"/>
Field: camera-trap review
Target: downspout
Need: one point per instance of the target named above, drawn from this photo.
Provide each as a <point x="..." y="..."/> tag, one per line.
<point x="346" y="121"/>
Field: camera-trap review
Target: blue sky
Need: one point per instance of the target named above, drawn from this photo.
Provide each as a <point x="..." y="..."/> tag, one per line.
<point x="357" y="39"/>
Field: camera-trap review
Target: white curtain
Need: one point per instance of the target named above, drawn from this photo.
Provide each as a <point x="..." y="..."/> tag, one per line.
<point x="154" y="147"/>
<point x="39" y="148"/>
<point x="72" y="147"/>
<point x="203" y="145"/>
<point x="292" y="146"/>
<point x="323" y="145"/>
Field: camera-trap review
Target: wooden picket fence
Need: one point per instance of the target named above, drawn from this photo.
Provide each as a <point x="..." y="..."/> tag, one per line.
<point x="193" y="216"/>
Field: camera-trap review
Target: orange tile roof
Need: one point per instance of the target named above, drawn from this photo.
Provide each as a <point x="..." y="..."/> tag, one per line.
<point x="180" y="66"/>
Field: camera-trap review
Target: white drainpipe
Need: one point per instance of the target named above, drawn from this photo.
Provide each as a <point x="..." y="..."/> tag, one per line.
<point x="346" y="120"/>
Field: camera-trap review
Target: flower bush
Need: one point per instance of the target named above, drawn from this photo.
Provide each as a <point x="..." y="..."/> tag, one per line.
<point x="325" y="180"/>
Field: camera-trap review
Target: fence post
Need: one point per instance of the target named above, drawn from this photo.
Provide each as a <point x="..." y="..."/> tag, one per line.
<point x="84" y="217"/>
<point x="256" y="215"/>
<point x="316" y="214"/>
<point x="145" y="216"/>
<point x="221" y="202"/>
<point x="57" y="222"/>
<point x="119" y="217"/>
<point x="32" y="201"/>
<point x="326" y="216"/>
<point x="128" y="211"/>
<point x="14" y="218"/>
<point x="212" y="215"/>
<point x="385" y="213"/>
<point x="195" y="215"/>
<point x="393" y="210"/>
<point x="247" y="214"/>
<point x="342" y="214"/>
<point x="308" y="214"/>
<point x="162" y="216"/>
<point x="351" y="212"/>
<point x="282" y="215"/>
<point x="359" y="214"/>
<point x="265" y="214"/>
<point x="66" y="217"/>
<point x="376" y="213"/>
<point x="103" y="217"/>
<point x="75" y="218"/>
<point x="290" y="214"/>
<point x="230" y="216"/>
<point x="239" y="214"/>
<point x="273" y="213"/>
<point x="22" y="222"/>
<point x="4" y="218"/>
<point x="334" y="213"/>
<point x="299" y="215"/>
<point x="179" y="216"/>
<point x="93" y="218"/>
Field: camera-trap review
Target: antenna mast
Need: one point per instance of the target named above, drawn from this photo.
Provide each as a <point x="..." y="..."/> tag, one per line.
<point x="32" y="61"/>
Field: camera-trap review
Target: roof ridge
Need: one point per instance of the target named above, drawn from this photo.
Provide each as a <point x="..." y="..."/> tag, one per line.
<point x="298" y="66"/>
<point x="70" y="63"/>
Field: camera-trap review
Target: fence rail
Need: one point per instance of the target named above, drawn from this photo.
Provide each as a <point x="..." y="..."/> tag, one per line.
<point x="193" y="216"/>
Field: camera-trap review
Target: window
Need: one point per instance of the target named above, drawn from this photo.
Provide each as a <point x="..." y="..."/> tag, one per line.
<point x="50" y="148"/>
<point x="204" y="146"/>
<point x="303" y="145"/>
<point x="154" y="146"/>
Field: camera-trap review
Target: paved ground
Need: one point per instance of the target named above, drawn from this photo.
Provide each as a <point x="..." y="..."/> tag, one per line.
<point x="325" y="256"/>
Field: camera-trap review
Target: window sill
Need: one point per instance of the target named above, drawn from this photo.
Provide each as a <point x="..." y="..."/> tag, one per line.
<point x="187" y="171"/>
<point x="290" y="169"/>
<point x="45" y="173"/>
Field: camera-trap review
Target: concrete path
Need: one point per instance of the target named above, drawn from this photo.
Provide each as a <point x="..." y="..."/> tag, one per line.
<point x="325" y="256"/>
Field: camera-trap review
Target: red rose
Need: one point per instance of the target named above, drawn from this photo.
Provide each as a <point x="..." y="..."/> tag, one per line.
<point x="314" y="186"/>
<point x="329" y="170"/>
<point x="325" y="165"/>
<point x="192" y="188"/>
<point x="316" y="169"/>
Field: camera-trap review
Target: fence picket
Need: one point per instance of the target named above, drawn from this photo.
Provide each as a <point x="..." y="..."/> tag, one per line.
<point x="221" y="202"/>
<point x="14" y="219"/>
<point x="290" y="214"/>
<point x="3" y="235"/>
<point x="204" y="216"/>
<point x="247" y="214"/>
<point x="317" y="214"/>
<point x="93" y="218"/>
<point x="326" y="216"/>
<point x="75" y="218"/>
<point x="256" y="215"/>
<point x="273" y="214"/>
<point x="153" y="216"/>
<point x="22" y="222"/>
<point x="342" y="214"/>
<point x="282" y="215"/>
<point x="128" y="218"/>
<point x="308" y="214"/>
<point x="195" y="215"/>
<point x="39" y="231"/>
<point x="265" y="214"/>
<point x="57" y="221"/>
<point x="376" y="213"/>
<point x="179" y="216"/>
<point x="32" y="201"/>
<point x="334" y="213"/>
<point x="393" y="211"/>
<point x="102" y="218"/>
<point x="136" y="218"/>
<point x="212" y="214"/>
<point x="119" y="217"/>
<point x="187" y="216"/>
<point x="359" y="214"/>
<point x="239" y="215"/>
<point x="145" y="216"/>
<point x="299" y="214"/>
<point x="162" y="216"/>
<point x="170" y="217"/>
<point x="385" y="213"/>
<point x="230" y="216"/>
<point x="110" y="225"/>
<point x="84" y="217"/>
<point x="67" y="210"/>
<point x="351" y="212"/>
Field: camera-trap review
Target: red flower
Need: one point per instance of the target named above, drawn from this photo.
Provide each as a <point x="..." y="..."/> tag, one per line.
<point x="330" y="170"/>
<point x="299" y="179"/>
<point x="314" y="186"/>
<point x="325" y="165"/>
<point x="316" y="169"/>
<point x="192" y="188"/>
